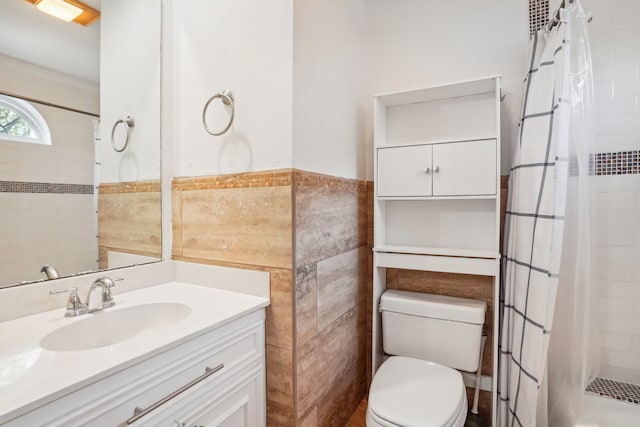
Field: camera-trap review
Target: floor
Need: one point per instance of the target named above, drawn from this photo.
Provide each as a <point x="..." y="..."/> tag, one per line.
<point x="358" y="417"/>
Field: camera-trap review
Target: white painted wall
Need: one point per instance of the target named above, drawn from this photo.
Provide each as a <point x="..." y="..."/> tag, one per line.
<point x="130" y="86"/>
<point x="244" y="46"/>
<point x="329" y="78"/>
<point x="615" y="41"/>
<point x="418" y="43"/>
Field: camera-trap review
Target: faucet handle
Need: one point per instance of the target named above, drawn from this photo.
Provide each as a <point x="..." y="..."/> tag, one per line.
<point x="75" y="307"/>
<point x="107" y="284"/>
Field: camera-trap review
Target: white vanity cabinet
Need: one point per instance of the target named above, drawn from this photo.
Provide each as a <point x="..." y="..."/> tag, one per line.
<point x="232" y="395"/>
<point x="464" y="168"/>
<point x="437" y="188"/>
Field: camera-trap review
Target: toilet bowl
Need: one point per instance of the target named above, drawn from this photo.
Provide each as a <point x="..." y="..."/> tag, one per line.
<point x="410" y="392"/>
<point x="428" y="338"/>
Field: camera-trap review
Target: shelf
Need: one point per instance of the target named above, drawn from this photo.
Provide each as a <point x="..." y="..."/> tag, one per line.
<point x="445" y="264"/>
<point x="474" y="197"/>
<point x="389" y="144"/>
<point x="447" y="91"/>
<point x="438" y="251"/>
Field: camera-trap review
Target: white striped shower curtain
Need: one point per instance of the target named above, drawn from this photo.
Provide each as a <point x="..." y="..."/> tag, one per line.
<point x="535" y="223"/>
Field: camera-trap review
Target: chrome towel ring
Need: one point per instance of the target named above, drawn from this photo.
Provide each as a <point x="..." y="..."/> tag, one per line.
<point x="128" y="122"/>
<point x="227" y="99"/>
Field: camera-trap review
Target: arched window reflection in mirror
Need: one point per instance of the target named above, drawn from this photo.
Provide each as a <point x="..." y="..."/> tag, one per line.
<point x="21" y="122"/>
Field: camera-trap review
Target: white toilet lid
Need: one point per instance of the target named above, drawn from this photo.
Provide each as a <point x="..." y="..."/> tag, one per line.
<point x="416" y="393"/>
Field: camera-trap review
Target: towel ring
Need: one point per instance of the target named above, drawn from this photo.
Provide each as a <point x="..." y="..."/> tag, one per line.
<point x="128" y="122"/>
<point x="227" y="99"/>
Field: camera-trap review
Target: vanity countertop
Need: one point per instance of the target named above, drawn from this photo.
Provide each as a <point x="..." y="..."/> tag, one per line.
<point x="32" y="376"/>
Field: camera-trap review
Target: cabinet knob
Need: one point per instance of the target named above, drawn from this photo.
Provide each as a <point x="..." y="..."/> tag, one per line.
<point x="427" y="170"/>
<point x="436" y="169"/>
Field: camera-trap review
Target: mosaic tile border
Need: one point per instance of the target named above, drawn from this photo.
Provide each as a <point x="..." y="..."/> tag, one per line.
<point x="616" y="163"/>
<point x="314" y="179"/>
<point x="151" y="186"/>
<point x="615" y="389"/>
<point x="538" y="15"/>
<point x="44" y="188"/>
<point x="275" y="178"/>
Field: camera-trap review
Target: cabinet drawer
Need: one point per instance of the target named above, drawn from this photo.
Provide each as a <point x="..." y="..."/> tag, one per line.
<point x="112" y="400"/>
<point x="229" y="359"/>
<point x="236" y="402"/>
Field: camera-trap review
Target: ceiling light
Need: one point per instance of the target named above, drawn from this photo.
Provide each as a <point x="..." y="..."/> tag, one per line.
<point x="60" y="9"/>
<point x="68" y="10"/>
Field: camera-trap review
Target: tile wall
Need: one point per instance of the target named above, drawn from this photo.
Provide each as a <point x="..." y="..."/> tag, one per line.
<point x="330" y="298"/>
<point x="615" y="37"/>
<point x="46" y="195"/>
<point x="308" y="231"/>
<point x="129" y="219"/>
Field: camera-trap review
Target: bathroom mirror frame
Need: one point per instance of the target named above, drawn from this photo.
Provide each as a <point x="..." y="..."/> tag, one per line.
<point x="150" y="188"/>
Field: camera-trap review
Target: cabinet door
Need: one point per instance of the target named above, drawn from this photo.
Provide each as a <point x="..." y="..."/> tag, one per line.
<point x="465" y="168"/>
<point x="404" y="171"/>
<point x="238" y="407"/>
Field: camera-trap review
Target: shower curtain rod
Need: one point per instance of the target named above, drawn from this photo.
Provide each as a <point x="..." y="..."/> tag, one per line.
<point x="49" y="104"/>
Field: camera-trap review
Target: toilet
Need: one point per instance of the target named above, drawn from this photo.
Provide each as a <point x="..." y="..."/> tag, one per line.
<point x="428" y="338"/>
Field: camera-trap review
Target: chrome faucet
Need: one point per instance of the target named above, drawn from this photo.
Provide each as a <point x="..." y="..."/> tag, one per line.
<point x="105" y="283"/>
<point x="75" y="307"/>
<point x="50" y="271"/>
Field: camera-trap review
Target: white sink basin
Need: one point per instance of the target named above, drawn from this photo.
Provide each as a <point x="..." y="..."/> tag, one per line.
<point x="105" y="328"/>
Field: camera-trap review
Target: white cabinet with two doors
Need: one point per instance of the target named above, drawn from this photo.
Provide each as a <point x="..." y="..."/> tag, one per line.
<point x="465" y="168"/>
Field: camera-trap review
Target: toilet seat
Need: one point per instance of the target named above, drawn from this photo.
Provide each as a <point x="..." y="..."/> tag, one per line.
<point x="410" y="392"/>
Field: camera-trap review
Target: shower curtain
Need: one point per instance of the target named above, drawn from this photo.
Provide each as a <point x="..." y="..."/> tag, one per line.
<point x="548" y="239"/>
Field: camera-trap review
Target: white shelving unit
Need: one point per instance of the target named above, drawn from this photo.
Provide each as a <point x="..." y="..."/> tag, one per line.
<point x="437" y="188"/>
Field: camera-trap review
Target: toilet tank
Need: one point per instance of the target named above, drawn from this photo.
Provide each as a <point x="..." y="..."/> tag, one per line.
<point x="441" y="329"/>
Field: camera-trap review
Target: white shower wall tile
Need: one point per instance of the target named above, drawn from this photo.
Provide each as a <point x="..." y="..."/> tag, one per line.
<point x="620" y="289"/>
<point x="636" y="309"/>
<point x="615" y="341"/>
<point x="621" y="359"/>
<point x="622" y="200"/>
<point x="619" y="374"/>
<point x="630" y="86"/>
<point x="618" y="306"/>
<point x="614" y="237"/>
<point x="623" y="254"/>
<point x="617" y="271"/>
<point x="619" y="324"/>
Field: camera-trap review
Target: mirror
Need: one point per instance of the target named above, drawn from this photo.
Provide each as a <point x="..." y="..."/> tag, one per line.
<point x="69" y="200"/>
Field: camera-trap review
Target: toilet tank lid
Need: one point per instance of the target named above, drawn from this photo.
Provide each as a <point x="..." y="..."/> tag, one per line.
<point x="434" y="306"/>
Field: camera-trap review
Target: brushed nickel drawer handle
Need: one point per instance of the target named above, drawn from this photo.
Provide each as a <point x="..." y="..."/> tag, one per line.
<point x="139" y="412"/>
